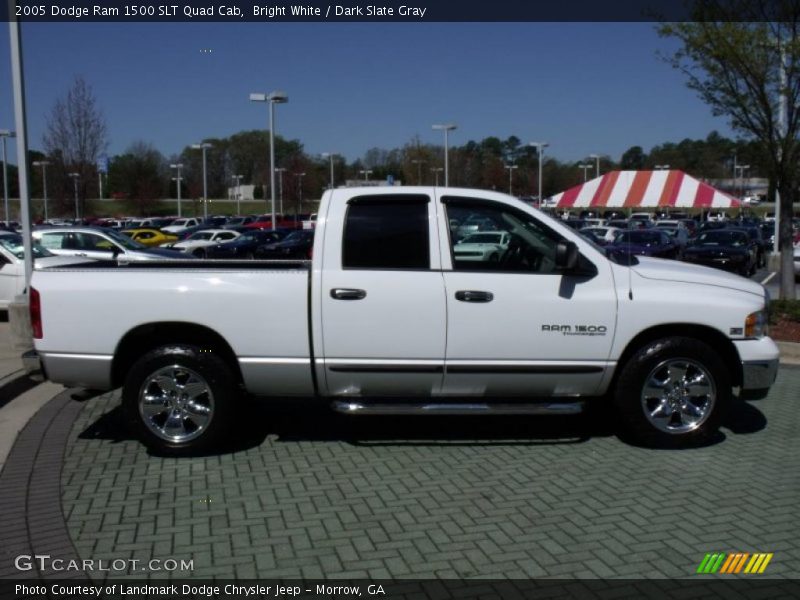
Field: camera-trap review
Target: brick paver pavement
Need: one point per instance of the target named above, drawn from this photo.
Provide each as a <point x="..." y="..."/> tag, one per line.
<point x="310" y="494"/>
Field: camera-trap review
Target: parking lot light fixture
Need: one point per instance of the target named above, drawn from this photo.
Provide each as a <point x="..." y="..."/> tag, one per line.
<point x="366" y="173"/>
<point x="330" y="155"/>
<point x="510" y="173"/>
<point x="447" y="127"/>
<point x="300" y="190"/>
<point x="273" y="98"/>
<point x="540" y="146"/>
<point x="419" y="164"/>
<point x="237" y="191"/>
<point x="436" y="171"/>
<point x="75" y="177"/>
<point x="661" y="167"/>
<point x="177" y="179"/>
<point x="5" y="134"/>
<point x="596" y="158"/>
<point x="204" y="146"/>
<point x="43" y="164"/>
<point x="585" y="169"/>
<point x="281" y="171"/>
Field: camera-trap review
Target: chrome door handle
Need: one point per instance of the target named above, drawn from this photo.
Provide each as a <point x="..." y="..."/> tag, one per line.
<point x="474" y="296"/>
<point x="348" y="294"/>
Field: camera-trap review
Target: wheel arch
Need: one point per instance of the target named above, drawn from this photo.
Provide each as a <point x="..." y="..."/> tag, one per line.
<point x="703" y="333"/>
<point x="144" y="338"/>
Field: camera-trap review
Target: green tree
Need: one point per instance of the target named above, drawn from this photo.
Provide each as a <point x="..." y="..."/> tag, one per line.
<point x="633" y="158"/>
<point x="732" y="54"/>
<point x="141" y="173"/>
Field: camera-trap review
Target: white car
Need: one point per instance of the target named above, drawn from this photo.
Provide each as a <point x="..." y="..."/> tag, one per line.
<point x="12" y="265"/>
<point x="670" y="223"/>
<point x="485" y="246"/>
<point x="197" y="242"/>
<point x="607" y="234"/>
<point x="179" y="225"/>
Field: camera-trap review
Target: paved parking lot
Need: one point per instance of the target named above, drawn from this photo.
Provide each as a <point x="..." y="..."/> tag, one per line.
<point x="311" y="494"/>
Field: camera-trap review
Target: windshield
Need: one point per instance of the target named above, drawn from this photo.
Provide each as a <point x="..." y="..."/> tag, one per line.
<point x="722" y="238"/>
<point x="644" y="238"/>
<point x="483" y="238"/>
<point x="297" y="236"/>
<point x="13" y="243"/>
<point x="201" y="235"/>
<point x="124" y="240"/>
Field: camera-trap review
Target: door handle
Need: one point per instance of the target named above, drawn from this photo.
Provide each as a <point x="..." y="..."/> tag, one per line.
<point x="474" y="296"/>
<point x="348" y="294"/>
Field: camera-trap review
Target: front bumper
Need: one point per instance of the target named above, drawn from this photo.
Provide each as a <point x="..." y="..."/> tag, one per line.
<point x="32" y="364"/>
<point x="760" y="360"/>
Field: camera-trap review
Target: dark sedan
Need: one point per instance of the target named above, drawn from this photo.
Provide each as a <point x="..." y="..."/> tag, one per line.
<point x="724" y="249"/>
<point x="296" y="245"/>
<point x="245" y="245"/>
<point x="644" y="242"/>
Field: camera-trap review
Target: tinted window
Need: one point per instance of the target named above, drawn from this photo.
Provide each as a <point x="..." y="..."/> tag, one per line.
<point x="387" y="232"/>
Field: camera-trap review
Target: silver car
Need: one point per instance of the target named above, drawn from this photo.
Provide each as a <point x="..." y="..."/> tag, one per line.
<point x="99" y="243"/>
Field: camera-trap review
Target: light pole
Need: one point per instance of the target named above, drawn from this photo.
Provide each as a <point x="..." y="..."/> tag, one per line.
<point x="661" y="167"/>
<point x="585" y="168"/>
<point x="237" y="191"/>
<point x="540" y="146"/>
<point x="596" y="158"/>
<point x="510" y="173"/>
<point x="5" y="134"/>
<point x="446" y="128"/>
<point x="43" y="164"/>
<point x="741" y="169"/>
<point x="75" y="177"/>
<point x="280" y="188"/>
<point x="329" y="155"/>
<point x="204" y="146"/>
<point x="436" y="171"/>
<point x="419" y="164"/>
<point x="366" y="173"/>
<point x="273" y="98"/>
<point x="177" y="179"/>
<point x="299" y="192"/>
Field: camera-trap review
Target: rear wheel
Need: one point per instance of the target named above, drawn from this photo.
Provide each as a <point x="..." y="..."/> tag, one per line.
<point x="179" y="399"/>
<point x="199" y="253"/>
<point x="673" y="393"/>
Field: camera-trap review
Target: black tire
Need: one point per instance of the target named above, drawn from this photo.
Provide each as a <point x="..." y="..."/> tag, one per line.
<point x="193" y="365"/>
<point x="648" y="364"/>
<point x="250" y="256"/>
<point x="199" y="253"/>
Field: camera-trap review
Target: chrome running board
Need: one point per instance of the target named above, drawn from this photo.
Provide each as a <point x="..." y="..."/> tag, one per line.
<point x="359" y="407"/>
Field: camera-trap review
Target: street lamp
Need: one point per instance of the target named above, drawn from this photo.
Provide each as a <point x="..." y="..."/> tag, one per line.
<point x="280" y="187"/>
<point x="43" y="164"/>
<point x="510" y="172"/>
<point x="75" y="177"/>
<point x="329" y="155"/>
<point x="238" y="179"/>
<point x="661" y="167"/>
<point x="5" y="134"/>
<point x="446" y="128"/>
<point x="300" y="191"/>
<point x="585" y="168"/>
<point x="436" y="172"/>
<point x="741" y="169"/>
<point x="419" y="164"/>
<point x="596" y="158"/>
<point x="366" y="173"/>
<point x="178" y="179"/>
<point x="273" y="98"/>
<point x="204" y="146"/>
<point x="540" y="146"/>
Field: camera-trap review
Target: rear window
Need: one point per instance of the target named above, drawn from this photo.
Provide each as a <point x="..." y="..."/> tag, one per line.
<point x="386" y="232"/>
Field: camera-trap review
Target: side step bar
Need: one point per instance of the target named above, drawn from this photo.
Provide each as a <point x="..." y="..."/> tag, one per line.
<point x="359" y="407"/>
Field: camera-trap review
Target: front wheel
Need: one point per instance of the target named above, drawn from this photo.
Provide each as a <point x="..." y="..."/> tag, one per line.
<point x="673" y="393"/>
<point x="180" y="399"/>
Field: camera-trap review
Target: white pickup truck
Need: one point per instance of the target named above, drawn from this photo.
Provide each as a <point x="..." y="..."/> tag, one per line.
<point x="386" y="319"/>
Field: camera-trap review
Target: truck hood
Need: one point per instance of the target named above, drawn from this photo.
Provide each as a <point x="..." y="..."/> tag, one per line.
<point x="671" y="270"/>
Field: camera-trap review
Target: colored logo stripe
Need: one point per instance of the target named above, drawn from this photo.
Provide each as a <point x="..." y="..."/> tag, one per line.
<point x="734" y="563"/>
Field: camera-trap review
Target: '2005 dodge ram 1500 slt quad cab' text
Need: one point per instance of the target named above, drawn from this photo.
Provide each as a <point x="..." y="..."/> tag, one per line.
<point x="389" y="317"/>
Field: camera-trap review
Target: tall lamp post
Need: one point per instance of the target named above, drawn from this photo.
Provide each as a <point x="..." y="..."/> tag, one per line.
<point x="237" y="191"/>
<point x="280" y="170"/>
<point x="447" y="127"/>
<point x="436" y="171"/>
<point x="178" y="179"/>
<point x="299" y="191"/>
<point x="585" y="168"/>
<point x="204" y="146"/>
<point x="330" y="155"/>
<point x="43" y="164"/>
<point x="419" y="164"/>
<point x="75" y="177"/>
<point x="510" y="173"/>
<point x="540" y="146"/>
<point x="741" y="169"/>
<point x="5" y="134"/>
<point x="366" y="173"/>
<point x="596" y="158"/>
<point x="273" y="98"/>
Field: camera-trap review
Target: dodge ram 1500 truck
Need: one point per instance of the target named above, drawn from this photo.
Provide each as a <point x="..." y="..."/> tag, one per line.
<point x="386" y="318"/>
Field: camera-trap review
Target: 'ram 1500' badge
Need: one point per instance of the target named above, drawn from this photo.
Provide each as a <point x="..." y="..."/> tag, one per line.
<point x="576" y="329"/>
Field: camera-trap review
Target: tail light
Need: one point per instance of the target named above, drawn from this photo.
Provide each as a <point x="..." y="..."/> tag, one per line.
<point x="35" y="307"/>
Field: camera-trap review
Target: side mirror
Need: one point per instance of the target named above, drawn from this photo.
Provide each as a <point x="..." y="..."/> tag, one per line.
<point x="566" y="255"/>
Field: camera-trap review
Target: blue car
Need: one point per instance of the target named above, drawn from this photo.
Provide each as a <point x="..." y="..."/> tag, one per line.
<point x="246" y="244"/>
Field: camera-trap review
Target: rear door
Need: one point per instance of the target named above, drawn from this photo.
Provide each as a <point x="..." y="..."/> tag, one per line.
<point x="382" y="297"/>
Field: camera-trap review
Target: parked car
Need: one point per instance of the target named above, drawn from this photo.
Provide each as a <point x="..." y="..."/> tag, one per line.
<point x="643" y="242"/>
<point x="149" y="237"/>
<point x="246" y="244"/>
<point x="235" y="222"/>
<point x="485" y="246"/>
<point x="642" y="216"/>
<point x="679" y="236"/>
<point x="797" y="263"/>
<point x="606" y="235"/>
<point x="297" y="244"/>
<point x="754" y="233"/>
<point x="724" y="249"/>
<point x="197" y="243"/>
<point x="179" y="225"/>
<point x="215" y="221"/>
<point x="96" y="242"/>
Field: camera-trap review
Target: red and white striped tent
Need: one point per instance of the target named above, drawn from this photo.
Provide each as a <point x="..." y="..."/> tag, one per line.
<point x="643" y="189"/>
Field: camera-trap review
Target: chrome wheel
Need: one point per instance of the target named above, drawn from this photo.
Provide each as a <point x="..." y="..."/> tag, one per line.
<point x="678" y="395"/>
<point x="176" y="404"/>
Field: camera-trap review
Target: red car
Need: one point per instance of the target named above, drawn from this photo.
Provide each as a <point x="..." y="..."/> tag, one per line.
<point x="283" y="222"/>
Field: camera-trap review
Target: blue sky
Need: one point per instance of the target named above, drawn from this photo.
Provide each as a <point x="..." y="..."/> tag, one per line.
<point x="583" y="87"/>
